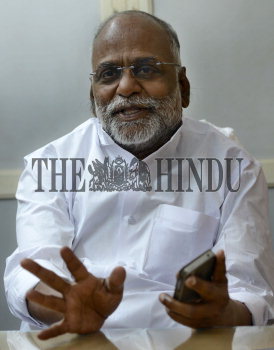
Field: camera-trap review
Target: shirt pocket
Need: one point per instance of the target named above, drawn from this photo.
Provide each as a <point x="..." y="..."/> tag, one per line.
<point x="178" y="235"/>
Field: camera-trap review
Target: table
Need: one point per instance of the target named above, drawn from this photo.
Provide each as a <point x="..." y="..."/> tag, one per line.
<point x="239" y="338"/>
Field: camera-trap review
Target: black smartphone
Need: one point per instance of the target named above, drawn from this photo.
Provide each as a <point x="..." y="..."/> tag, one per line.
<point x="203" y="267"/>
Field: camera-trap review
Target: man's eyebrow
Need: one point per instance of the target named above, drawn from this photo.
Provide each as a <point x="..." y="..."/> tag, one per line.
<point x="139" y="60"/>
<point x="142" y="60"/>
<point x="107" y="64"/>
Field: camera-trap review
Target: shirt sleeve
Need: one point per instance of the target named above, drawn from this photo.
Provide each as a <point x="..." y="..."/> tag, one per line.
<point x="244" y="235"/>
<point x="43" y="226"/>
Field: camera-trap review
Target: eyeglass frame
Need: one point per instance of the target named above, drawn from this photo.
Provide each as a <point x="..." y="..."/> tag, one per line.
<point x="132" y="66"/>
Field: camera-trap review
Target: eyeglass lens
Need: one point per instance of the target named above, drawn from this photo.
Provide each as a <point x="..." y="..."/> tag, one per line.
<point x="144" y="69"/>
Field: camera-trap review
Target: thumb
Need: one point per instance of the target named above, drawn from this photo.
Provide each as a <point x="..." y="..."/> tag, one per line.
<point x="219" y="274"/>
<point x="115" y="282"/>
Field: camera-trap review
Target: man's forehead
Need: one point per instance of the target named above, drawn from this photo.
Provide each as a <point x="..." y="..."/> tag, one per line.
<point x="131" y="35"/>
<point x="139" y="60"/>
<point x="133" y="24"/>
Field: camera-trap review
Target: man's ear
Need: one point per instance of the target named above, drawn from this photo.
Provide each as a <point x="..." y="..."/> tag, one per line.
<point x="92" y="102"/>
<point x="184" y="87"/>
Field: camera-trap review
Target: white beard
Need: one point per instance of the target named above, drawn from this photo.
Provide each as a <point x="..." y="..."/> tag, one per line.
<point x="165" y="116"/>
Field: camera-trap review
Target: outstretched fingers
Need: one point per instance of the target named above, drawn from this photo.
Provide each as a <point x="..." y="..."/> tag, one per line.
<point x="48" y="277"/>
<point x="76" y="268"/>
<point x="115" y="282"/>
<point x="53" y="331"/>
<point x="49" y="301"/>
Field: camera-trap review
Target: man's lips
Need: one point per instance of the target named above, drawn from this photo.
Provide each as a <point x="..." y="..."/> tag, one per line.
<point x="133" y="112"/>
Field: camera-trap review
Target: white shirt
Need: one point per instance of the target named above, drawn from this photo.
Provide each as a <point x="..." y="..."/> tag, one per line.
<point x="151" y="233"/>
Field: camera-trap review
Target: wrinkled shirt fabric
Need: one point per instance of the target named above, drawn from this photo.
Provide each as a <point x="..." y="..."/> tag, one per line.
<point x="152" y="234"/>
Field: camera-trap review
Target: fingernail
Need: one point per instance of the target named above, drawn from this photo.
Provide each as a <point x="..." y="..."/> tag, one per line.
<point x="165" y="297"/>
<point x="191" y="281"/>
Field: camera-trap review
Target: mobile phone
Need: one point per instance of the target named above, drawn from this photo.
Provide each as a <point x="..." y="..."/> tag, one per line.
<point x="203" y="267"/>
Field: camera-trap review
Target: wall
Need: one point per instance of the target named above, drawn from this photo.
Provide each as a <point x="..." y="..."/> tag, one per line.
<point x="227" y="46"/>
<point x="44" y="69"/>
<point x="8" y="244"/>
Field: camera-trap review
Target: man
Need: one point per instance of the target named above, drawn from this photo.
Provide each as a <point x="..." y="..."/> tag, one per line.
<point x="126" y="246"/>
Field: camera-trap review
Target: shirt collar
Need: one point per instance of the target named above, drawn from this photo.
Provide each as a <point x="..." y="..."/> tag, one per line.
<point x="104" y="137"/>
<point x="168" y="148"/>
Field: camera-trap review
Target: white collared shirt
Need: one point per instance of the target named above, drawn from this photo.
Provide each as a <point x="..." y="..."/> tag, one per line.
<point x="151" y="233"/>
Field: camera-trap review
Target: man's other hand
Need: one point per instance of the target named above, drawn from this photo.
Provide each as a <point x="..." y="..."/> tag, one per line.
<point x="215" y="309"/>
<point x="84" y="304"/>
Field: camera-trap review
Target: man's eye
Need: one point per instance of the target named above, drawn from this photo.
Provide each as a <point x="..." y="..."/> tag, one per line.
<point x="108" y="74"/>
<point x="145" y="69"/>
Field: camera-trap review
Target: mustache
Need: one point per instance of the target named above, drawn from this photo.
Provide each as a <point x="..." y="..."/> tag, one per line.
<point x="119" y="103"/>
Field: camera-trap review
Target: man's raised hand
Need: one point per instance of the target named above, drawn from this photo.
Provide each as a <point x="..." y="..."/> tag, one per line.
<point x="85" y="304"/>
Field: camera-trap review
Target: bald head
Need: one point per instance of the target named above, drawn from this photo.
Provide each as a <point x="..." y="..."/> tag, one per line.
<point x="130" y="22"/>
<point x="139" y="86"/>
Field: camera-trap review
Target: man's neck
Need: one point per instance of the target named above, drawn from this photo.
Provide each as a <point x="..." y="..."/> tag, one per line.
<point x="142" y="154"/>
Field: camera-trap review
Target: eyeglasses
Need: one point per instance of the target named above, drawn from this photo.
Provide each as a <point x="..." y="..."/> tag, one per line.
<point x="143" y="69"/>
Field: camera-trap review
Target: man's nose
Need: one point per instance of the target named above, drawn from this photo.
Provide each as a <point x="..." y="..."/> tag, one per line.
<point x="128" y="84"/>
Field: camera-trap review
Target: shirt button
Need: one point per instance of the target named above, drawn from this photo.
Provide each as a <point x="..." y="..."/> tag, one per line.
<point x="131" y="220"/>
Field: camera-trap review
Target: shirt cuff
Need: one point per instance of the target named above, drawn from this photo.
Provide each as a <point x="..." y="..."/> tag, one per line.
<point x="257" y="306"/>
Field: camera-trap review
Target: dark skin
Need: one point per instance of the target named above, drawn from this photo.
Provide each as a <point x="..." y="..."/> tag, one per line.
<point x="83" y="306"/>
<point x="89" y="299"/>
<point x="215" y="309"/>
